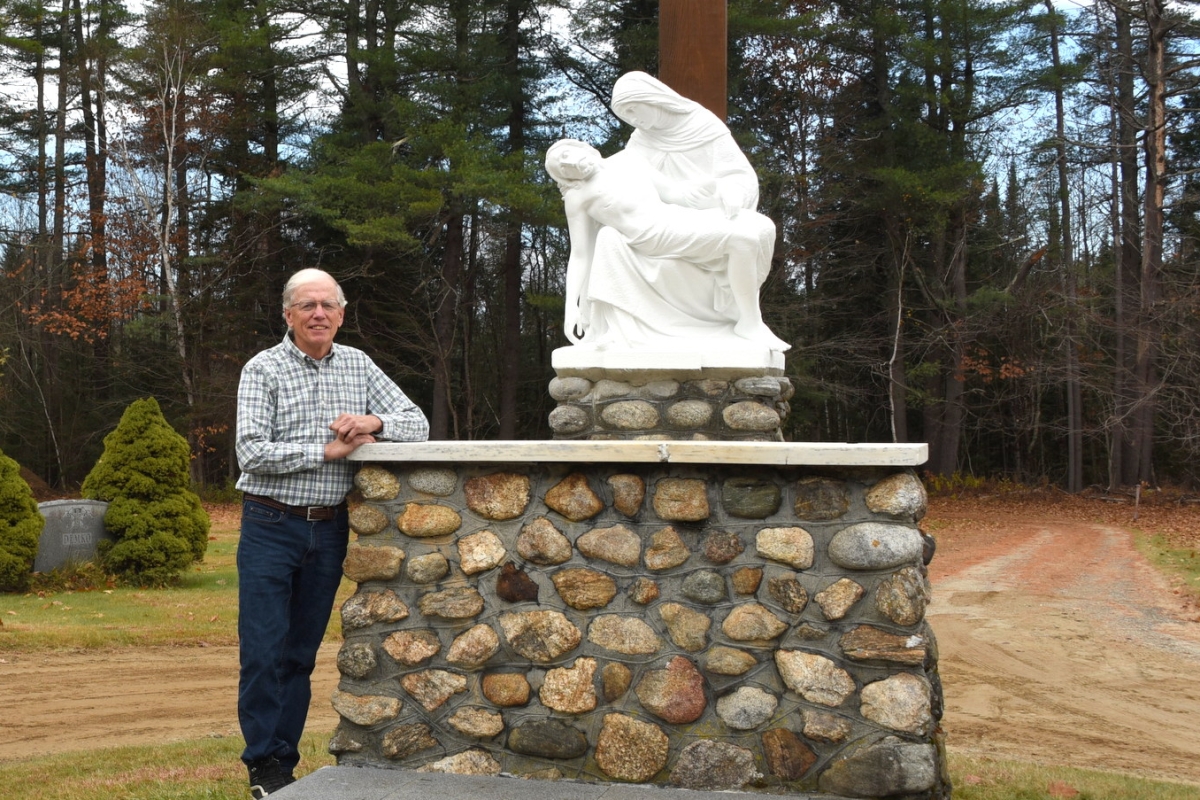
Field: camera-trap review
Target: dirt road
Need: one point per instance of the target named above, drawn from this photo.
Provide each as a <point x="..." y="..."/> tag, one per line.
<point x="1058" y="644"/>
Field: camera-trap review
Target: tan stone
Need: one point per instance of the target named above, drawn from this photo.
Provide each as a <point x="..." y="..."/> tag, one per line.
<point x="367" y="608"/>
<point x="377" y="483"/>
<point x="615" y="678"/>
<point x="582" y="588"/>
<point x="791" y="546"/>
<point x="674" y="694"/>
<point x="752" y="622"/>
<point x="473" y="647"/>
<point x="628" y="635"/>
<point x="573" y="498"/>
<point x="372" y="563"/>
<point x="826" y="727"/>
<point x="747" y="579"/>
<point x="723" y="660"/>
<point x="543" y="544"/>
<point x="366" y="710"/>
<point x="903" y="597"/>
<point x="681" y="499"/>
<point x="468" y="762"/>
<point x="405" y="740"/>
<point x="506" y="689"/>
<point x="837" y="598"/>
<point x="412" y="647"/>
<point x="460" y="602"/>
<point x="899" y="495"/>
<point x="617" y="545"/>
<point x="540" y="636"/>
<point x="570" y="689"/>
<point x="643" y="591"/>
<point x="867" y="643"/>
<point x="687" y="627"/>
<point x="480" y="552"/>
<point x="628" y="493"/>
<point x="477" y="723"/>
<point x="433" y="687"/>
<point x="666" y="550"/>
<point x="631" y="750"/>
<point x="902" y="702"/>
<point x="814" y="677"/>
<point x="367" y="520"/>
<point x="499" y="496"/>
<point x="426" y="521"/>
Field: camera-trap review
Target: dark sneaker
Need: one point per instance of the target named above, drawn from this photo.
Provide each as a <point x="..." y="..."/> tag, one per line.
<point x="266" y="777"/>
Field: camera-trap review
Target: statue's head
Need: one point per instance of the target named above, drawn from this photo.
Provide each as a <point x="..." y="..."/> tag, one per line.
<point x="570" y="161"/>
<point x="647" y="103"/>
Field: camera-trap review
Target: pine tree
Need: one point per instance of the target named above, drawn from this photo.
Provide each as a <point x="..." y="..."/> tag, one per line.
<point x="158" y="522"/>
<point x="20" y="527"/>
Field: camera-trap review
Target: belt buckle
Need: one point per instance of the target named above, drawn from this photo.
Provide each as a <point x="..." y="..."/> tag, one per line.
<point x="308" y="514"/>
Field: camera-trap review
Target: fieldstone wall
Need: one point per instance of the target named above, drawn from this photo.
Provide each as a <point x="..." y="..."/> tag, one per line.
<point x="746" y="409"/>
<point x="709" y="627"/>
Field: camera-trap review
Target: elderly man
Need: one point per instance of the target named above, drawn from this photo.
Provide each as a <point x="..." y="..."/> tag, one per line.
<point x="303" y="406"/>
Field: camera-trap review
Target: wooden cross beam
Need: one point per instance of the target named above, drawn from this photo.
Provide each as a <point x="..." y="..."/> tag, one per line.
<point x="692" y="40"/>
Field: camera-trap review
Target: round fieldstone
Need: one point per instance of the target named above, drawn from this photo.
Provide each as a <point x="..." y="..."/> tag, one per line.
<point x="564" y="389"/>
<point x="570" y="690"/>
<point x="355" y="659"/>
<point x="478" y="723"/>
<point x="837" y="599"/>
<point x="540" y="636"/>
<point x="875" y="545"/>
<point x="788" y="593"/>
<point x="617" y="545"/>
<point x="473" y="648"/>
<point x="747" y="579"/>
<point x="543" y="544"/>
<point x="681" y="500"/>
<point x="583" y="588"/>
<point x="722" y="660"/>
<point x="721" y="547"/>
<point x="573" y="498"/>
<point x="630" y="415"/>
<point x="410" y="648"/>
<point x="499" y="496"/>
<point x="643" y="591"/>
<point x="567" y="420"/>
<point x="372" y="563"/>
<point x="705" y="587"/>
<point x="367" y="608"/>
<point x="506" y="689"/>
<point x="899" y="495"/>
<point x="814" y="677"/>
<point x="883" y="768"/>
<point x="434" y="481"/>
<point x="674" y="694"/>
<point x="689" y="414"/>
<point x="428" y="568"/>
<point x="709" y="387"/>
<point x="606" y="389"/>
<point x="750" y="498"/>
<point x="425" y="521"/>
<point x="628" y="491"/>
<point x="747" y="708"/>
<point x="752" y="623"/>
<point x="709" y="765"/>
<point x="405" y="740"/>
<point x="821" y="499"/>
<point x="826" y="727"/>
<point x="433" y="687"/>
<point x="367" y="520"/>
<point x="629" y="749"/>
<point x="791" y="546"/>
<point x="751" y="416"/>
<point x="661" y="390"/>
<point x="615" y="679"/>
<point x="687" y="627"/>
<point x="480" y="552"/>
<point x="460" y="602"/>
<point x="902" y="702"/>
<point x="377" y="483"/>
<point x="628" y="635"/>
<point x="904" y="596"/>
<point x="547" y="738"/>
<point x="787" y="756"/>
<point x="666" y="550"/>
<point x="764" y="386"/>
<point x="365" y="710"/>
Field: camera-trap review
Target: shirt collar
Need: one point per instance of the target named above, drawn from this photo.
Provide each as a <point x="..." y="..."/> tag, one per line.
<point x="289" y="345"/>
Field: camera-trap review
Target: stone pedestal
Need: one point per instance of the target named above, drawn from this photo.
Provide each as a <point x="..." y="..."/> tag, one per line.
<point x="711" y="616"/>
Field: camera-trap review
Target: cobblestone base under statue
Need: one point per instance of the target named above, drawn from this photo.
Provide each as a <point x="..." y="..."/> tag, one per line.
<point x="746" y="409"/>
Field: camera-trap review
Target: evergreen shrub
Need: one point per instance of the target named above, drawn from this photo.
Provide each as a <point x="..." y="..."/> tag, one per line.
<point x="20" y="527"/>
<point x="159" y="525"/>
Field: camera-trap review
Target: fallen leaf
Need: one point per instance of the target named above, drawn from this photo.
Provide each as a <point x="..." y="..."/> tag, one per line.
<point x="1061" y="789"/>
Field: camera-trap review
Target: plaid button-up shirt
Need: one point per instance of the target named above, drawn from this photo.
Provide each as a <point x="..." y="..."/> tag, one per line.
<point x="286" y="401"/>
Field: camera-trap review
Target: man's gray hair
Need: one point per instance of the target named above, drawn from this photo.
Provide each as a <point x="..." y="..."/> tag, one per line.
<point x="309" y="275"/>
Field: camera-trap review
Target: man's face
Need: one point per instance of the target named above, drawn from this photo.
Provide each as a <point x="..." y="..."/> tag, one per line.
<point x="577" y="163"/>
<point x="315" y="316"/>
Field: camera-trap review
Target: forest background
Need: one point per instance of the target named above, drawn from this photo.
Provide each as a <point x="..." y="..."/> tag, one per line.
<point x="987" y="211"/>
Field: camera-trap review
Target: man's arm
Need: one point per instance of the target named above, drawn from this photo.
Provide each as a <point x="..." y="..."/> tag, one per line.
<point x="257" y="452"/>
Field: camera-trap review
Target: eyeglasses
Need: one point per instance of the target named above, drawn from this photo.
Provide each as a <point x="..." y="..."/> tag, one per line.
<point x="309" y="306"/>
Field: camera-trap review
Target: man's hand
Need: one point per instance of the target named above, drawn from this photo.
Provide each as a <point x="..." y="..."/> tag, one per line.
<point x="350" y="426"/>
<point x="340" y="448"/>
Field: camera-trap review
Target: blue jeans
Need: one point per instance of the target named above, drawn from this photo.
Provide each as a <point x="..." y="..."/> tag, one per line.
<point x="288" y="575"/>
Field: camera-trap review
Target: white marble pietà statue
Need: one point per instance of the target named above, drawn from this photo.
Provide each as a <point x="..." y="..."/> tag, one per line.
<point x="667" y="249"/>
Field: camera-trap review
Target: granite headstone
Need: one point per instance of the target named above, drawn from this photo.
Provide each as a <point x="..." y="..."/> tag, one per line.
<point x="73" y="530"/>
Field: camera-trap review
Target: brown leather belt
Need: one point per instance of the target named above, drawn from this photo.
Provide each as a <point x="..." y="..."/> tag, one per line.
<point x="309" y="513"/>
